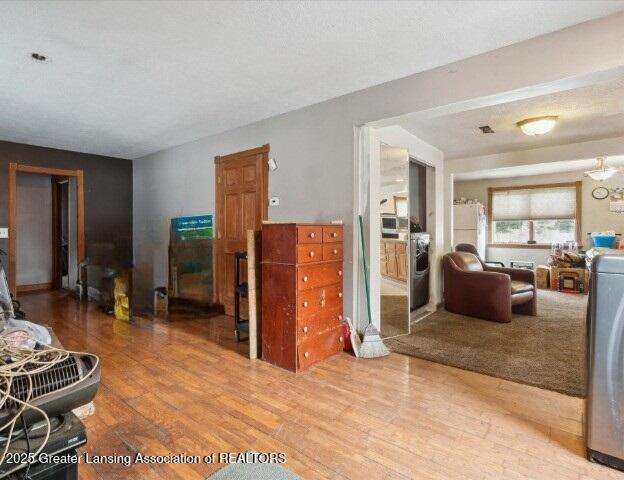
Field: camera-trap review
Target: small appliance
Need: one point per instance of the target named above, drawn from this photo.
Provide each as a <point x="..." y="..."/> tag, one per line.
<point x="389" y="223"/>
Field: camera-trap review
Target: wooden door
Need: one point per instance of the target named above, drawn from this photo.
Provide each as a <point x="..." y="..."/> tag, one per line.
<point x="241" y="205"/>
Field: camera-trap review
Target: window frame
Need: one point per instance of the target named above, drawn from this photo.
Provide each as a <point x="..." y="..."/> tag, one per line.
<point x="577" y="218"/>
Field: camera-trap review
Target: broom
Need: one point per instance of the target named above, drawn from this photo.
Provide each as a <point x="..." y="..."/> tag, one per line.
<point x="372" y="346"/>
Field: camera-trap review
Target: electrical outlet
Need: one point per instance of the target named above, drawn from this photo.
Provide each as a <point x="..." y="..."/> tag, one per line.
<point x="274" y="201"/>
<point x="4" y="232"/>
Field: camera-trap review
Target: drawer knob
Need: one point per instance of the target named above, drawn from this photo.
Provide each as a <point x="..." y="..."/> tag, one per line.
<point x="339" y="317"/>
<point x="340" y="273"/>
<point x="312" y="235"/>
<point x="339" y="294"/>
<point x="305" y="304"/>
<point x="305" y="279"/>
<point x="335" y="252"/>
<point x="334" y="234"/>
<point x="311" y="254"/>
<point x="341" y="339"/>
<point x="306" y="354"/>
<point x="305" y="329"/>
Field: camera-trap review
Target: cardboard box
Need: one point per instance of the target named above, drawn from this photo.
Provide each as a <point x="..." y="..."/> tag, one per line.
<point x="582" y="274"/>
<point x="542" y="276"/>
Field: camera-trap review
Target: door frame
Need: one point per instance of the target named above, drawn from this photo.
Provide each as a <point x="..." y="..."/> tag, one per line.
<point x="57" y="275"/>
<point x="367" y="141"/>
<point x="219" y="161"/>
<point x="14" y="169"/>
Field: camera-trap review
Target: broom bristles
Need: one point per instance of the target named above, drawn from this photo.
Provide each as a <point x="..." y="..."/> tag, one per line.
<point x="372" y="345"/>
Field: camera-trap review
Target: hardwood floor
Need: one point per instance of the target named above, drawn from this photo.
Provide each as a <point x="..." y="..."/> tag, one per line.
<point x="184" y="386"/>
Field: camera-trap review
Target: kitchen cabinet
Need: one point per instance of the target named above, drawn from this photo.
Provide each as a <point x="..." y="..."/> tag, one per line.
<point x="393" y="258"/>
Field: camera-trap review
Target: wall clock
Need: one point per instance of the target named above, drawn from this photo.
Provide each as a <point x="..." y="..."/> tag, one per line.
<point x="600" y="193"/>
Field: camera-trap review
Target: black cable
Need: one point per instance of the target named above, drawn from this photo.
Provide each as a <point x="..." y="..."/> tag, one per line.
<point x="25" y="427"/>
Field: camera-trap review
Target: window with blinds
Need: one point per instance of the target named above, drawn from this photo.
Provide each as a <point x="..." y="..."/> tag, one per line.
<point x="534" y="214"/>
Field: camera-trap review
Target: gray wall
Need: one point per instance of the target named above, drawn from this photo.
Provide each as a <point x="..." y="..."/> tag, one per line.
<point x="180" y="182"/>
<point x="314" y="146"/>
<point x="34" y="229"/>
<point x="108" y="193"/>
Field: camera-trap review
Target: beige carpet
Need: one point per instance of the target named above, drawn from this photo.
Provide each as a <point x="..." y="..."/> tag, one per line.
<point x="547" y="351"/>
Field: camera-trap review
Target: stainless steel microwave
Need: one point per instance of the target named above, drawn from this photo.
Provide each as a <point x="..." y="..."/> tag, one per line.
<point x="389" y="222"/>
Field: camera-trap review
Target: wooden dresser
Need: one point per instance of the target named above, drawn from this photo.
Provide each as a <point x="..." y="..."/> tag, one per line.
<point x="301" y="293"/>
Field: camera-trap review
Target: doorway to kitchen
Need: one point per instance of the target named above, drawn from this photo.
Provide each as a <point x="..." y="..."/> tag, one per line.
<point x="399" y="178"/>
<point x="405" y="190"/>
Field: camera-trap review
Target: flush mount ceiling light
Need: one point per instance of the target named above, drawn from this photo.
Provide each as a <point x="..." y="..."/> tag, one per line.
<point x="398" y="179"/>
<point x="537" y="125"/>
<point x="603" y="171"/>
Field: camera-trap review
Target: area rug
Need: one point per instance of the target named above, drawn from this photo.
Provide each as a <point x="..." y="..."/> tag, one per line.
<point x="394" y="315"/>
<point x="547" y="351"/>
<point x="253" y="471"/>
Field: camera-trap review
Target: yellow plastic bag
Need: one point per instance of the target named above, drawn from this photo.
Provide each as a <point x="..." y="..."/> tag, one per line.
<point x="122" y="300"/>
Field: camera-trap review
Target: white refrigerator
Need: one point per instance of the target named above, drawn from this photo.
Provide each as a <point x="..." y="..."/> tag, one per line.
<point x="470" y="226"/>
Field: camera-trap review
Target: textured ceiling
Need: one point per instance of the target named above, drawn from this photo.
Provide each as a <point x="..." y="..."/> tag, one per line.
<point x="540" y="169"/>
<point x="587" y="113"/>
<point x="393" y="165"/>
<point x="130" y="78"/>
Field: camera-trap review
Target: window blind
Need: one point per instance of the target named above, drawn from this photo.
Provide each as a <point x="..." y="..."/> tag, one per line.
<point x="555" y="203"/>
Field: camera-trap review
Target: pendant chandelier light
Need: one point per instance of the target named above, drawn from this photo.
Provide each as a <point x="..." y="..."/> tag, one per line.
<point x="603" y="172"/>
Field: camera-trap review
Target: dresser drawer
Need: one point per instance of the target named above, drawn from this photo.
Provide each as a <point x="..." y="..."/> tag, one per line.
<point x="332" y="234"/>
<point x="318" y="275"/>
<point x="310" y="252"/>
<point x="316" y="348"/>
<point x="310" y="302"/>
<point x="316" y="324"/>
<point x="309" y="234"/>
<point x="332" y="251"/>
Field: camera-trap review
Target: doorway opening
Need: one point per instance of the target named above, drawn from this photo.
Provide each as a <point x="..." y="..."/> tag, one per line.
<point x="46" y="228"/>
<point x="522" y="218"/>
<point x="398" y="177"/>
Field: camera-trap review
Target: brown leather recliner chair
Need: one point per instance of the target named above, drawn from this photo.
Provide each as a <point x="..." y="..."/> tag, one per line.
<point x="468" y="247"/>
<point x="475" y="289"/>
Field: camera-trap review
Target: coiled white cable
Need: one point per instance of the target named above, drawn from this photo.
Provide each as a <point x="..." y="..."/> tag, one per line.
<point x="24" y="362"/>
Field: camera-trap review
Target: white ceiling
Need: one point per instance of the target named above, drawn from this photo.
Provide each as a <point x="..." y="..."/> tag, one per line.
<point x="588" y="113"/>
<point x="539" y="169"/>
<point x="130" y="78"/>
<point x="393" y="169"/>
